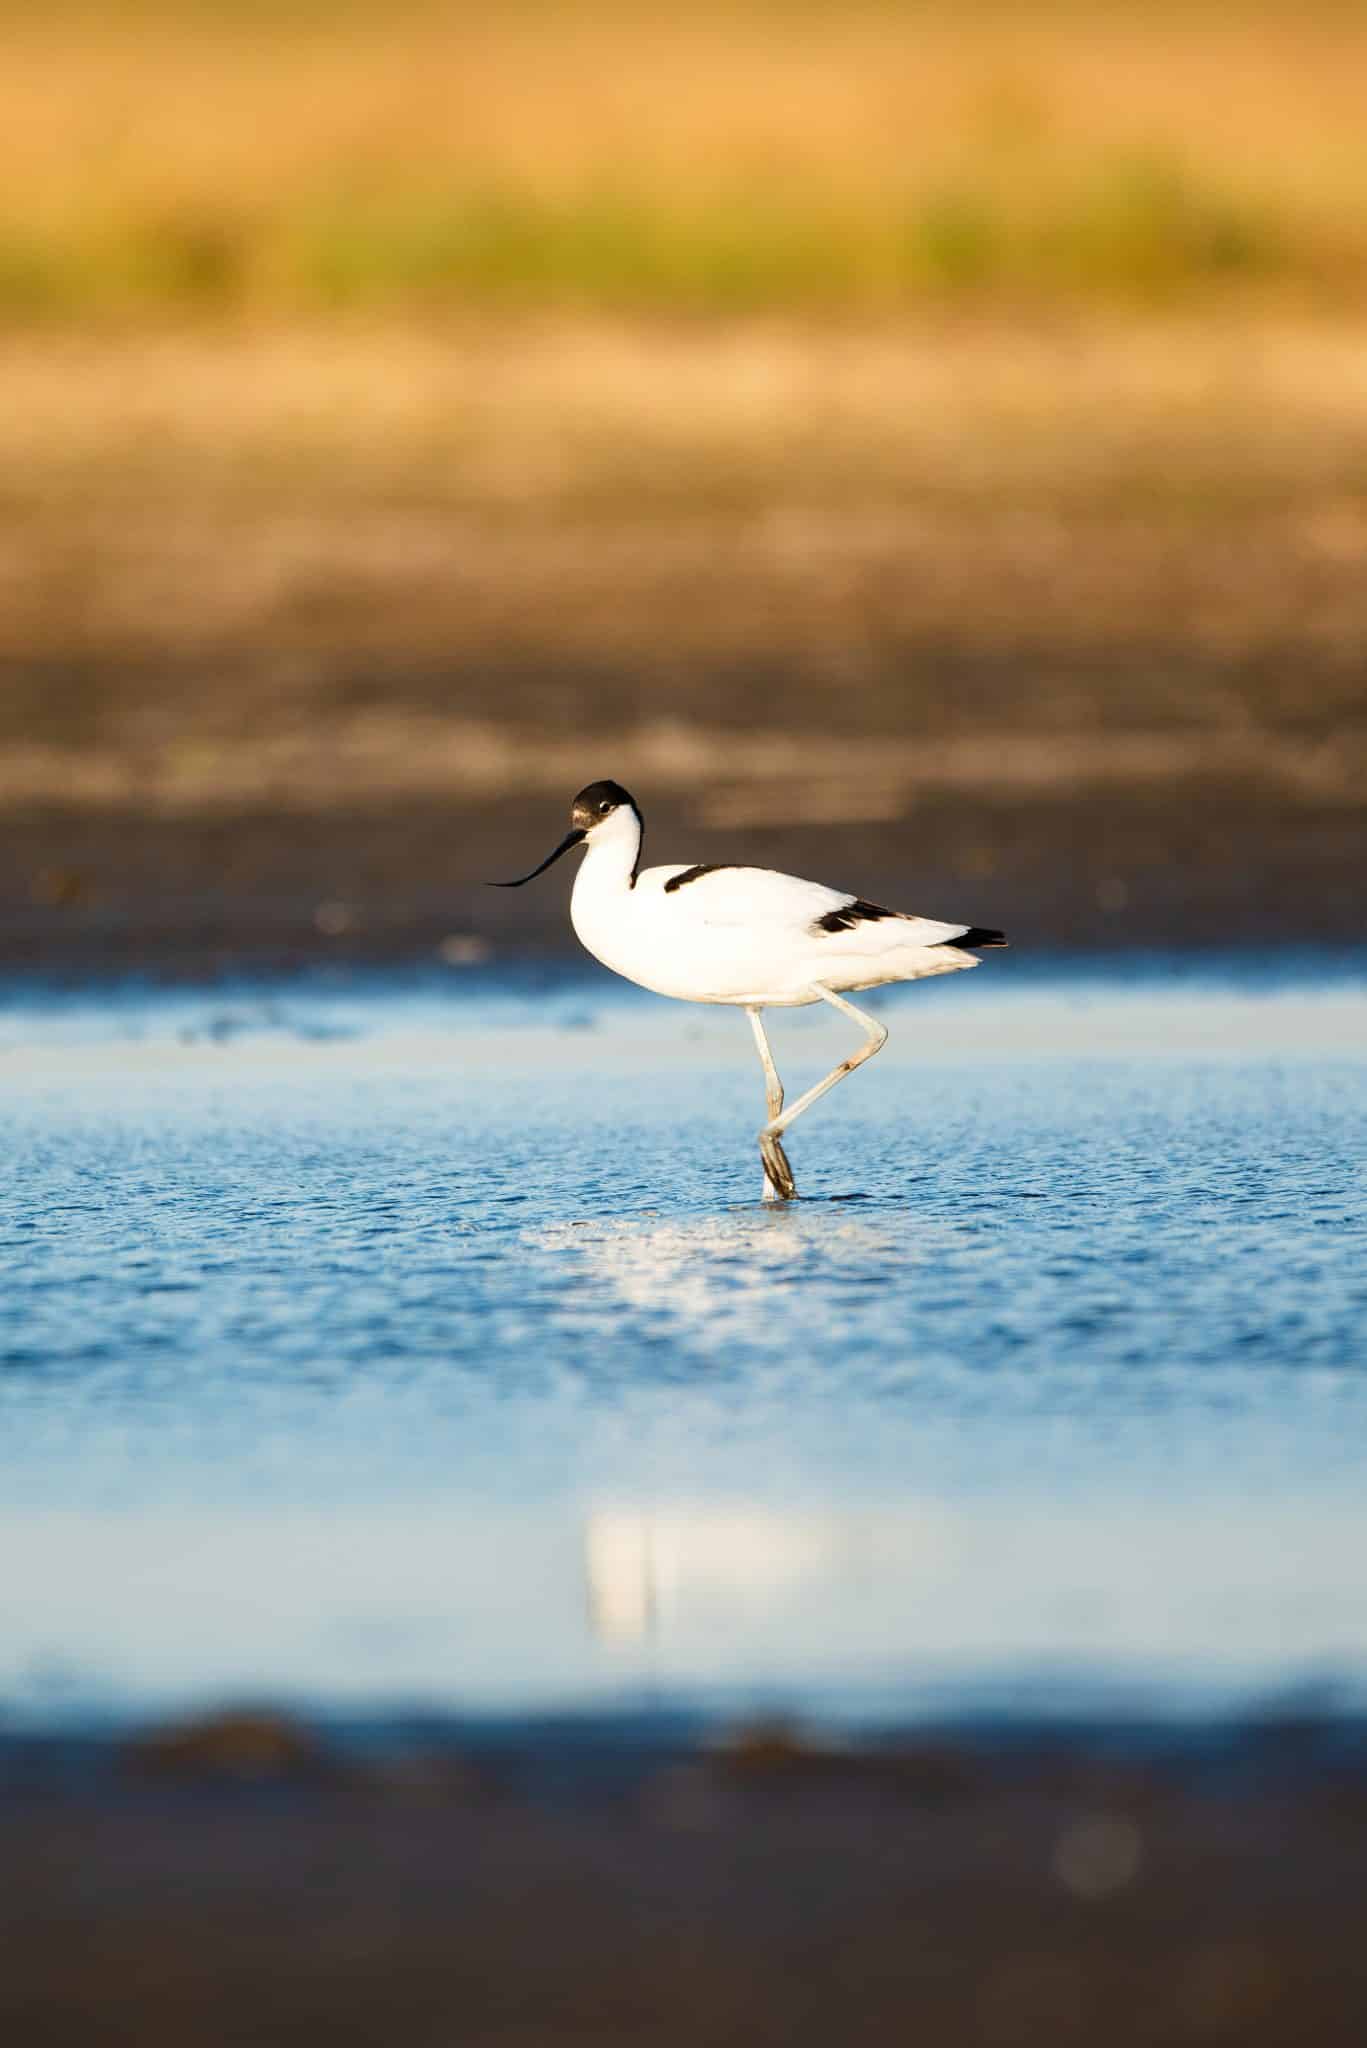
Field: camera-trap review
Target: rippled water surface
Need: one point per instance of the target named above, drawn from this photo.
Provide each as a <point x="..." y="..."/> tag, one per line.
<point x="428" y="1345"/>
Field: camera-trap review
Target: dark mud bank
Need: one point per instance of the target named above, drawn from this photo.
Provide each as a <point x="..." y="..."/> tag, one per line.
<point x="88" y="890"/>
<point x="249" y="1879"/>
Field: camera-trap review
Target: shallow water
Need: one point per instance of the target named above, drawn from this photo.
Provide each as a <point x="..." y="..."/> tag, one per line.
<point x="416" y="1343"/>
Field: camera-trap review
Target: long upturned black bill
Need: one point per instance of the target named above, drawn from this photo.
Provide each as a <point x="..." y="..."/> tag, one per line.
<point x="570" y="839"/>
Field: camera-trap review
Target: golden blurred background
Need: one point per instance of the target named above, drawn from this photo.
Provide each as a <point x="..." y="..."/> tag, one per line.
<point x="926" y="445"/>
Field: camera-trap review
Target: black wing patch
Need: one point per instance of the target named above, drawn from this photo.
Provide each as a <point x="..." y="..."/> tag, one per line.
<point x="704" y="867"/>
<point x="977" y="935"/>
<point x="850" y="914"/>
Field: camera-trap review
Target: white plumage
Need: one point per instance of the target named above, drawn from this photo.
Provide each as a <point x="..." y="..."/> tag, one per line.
<point x="745" y="936"/>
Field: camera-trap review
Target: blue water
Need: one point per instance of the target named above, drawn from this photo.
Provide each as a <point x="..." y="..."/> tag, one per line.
<point x="424" y="1343"/>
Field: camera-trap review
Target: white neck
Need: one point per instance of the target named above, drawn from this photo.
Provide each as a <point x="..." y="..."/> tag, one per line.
<point x="610" y="855"/>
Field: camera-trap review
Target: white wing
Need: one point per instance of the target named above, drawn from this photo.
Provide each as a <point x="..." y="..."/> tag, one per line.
<point x="763" y="899"/>
<point x="755" y="897"/>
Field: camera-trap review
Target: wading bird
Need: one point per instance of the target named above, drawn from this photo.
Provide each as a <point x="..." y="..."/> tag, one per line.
<point x="746" y="936"/>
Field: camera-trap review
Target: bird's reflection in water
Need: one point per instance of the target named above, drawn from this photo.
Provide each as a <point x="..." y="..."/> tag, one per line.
<point x="735" y="1292"/>
<point x="653" y="1571"/>
<point x="620" y="1573"/>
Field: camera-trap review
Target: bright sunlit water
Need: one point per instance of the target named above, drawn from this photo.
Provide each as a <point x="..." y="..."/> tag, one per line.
<point x="417" y="1343"/>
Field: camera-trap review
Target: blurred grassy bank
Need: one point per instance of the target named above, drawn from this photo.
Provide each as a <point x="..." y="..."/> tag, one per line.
<point x="273" y="159"/>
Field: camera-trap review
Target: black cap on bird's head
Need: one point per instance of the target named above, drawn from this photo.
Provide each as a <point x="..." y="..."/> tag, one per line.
<point x="591" y="808"/>
<point x="599" y="801"/>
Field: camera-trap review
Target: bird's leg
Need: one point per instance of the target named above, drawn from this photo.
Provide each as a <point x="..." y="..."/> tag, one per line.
<point x="779" y="1185"/>
<point x="877" y="1038"/>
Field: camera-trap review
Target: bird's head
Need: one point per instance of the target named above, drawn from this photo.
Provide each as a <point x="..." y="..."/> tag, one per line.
<point x="602" y="810"/>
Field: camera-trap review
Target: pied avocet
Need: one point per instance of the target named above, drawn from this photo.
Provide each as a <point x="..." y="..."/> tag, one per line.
<point x="751" y="937"/>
